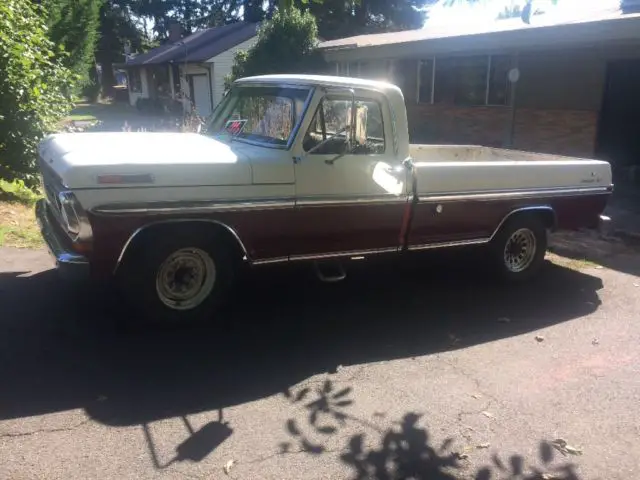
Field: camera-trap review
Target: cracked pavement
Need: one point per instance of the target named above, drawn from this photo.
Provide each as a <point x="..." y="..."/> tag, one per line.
<point x="306" y="374"/>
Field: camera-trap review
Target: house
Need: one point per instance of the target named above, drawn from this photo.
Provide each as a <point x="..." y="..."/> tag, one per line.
<point x="567" y="86"/>
<point x="195" y="65"/>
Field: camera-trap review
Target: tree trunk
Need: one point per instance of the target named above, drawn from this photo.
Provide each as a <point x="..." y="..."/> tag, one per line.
<point x="108" y="79"/>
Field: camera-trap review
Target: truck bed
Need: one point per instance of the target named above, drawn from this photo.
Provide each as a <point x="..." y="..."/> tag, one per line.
<point x="450" y="169"/>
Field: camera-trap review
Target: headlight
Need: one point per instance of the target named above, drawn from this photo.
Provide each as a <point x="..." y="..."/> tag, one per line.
<point x="74" y="217"/>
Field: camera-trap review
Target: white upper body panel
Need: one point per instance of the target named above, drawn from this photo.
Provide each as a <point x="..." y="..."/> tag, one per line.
<point x="189" y="166"/>
<point x="448" y="169"/>
<point x="171" y="159"/>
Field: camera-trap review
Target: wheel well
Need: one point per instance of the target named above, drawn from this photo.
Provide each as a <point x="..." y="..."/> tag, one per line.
<point x="546" y="214"/>
<point x="198" y="227"/>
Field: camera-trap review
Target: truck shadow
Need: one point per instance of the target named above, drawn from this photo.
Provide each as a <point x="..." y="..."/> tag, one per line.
<point x="60" y="349"/>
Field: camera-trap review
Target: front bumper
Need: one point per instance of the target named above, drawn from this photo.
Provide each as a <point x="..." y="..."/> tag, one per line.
<point x="70" y="265"/>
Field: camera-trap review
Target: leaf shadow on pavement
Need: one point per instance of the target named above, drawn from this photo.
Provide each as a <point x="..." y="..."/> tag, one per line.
<point x="402" y="450"/>
<point x="61" y="349"/>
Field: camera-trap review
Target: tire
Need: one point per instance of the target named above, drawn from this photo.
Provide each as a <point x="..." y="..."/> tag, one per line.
<point x="519" y="248"/>
<point x="179" y="278"/>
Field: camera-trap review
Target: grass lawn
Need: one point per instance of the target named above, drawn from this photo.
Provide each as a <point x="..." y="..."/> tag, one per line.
<point x="18" y="226"/>
<point x="80" y="117"/>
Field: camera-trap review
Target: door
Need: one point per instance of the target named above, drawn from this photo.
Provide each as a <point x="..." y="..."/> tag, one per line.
<point x="201" y="93"/>
<point x="348" y="199"/>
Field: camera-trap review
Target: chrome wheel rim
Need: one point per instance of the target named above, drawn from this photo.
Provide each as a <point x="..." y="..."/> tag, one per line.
<point x="520" y="250"/>
<point x="186" y="278"/>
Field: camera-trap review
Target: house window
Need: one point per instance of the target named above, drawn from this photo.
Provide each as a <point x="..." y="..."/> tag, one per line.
<point x="499" y="85"/>
<point x="467" y="81"/>
<point x="135" y="80"/>
<point x="369" y="69"/>
<point x="425" y="80"/>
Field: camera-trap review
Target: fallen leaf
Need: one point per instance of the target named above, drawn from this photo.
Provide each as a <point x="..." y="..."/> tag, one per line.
<point x="228" y="465"/>
<point x="564" y="448"/>
<point x="595" y="341"/>
<point x="483" y="445"/>
<point x="539" y="338"/>
<point x="488" y="414"/>
<point x="550" y="476"/>
<point x="504" y="320"/>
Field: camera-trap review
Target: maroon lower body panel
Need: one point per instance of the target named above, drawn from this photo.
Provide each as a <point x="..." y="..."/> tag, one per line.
<point x="329" y="229"/>
<point x="264" y="233"/>
<point x="435" y="222"/>
<point x="347" y="228"/>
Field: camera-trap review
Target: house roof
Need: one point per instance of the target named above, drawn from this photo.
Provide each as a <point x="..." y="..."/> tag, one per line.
<point x="199" y="46"/>
<point x="604" y="26"/>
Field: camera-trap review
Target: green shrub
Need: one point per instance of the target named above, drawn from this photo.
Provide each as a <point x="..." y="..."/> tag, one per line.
<point x="286" y="44"/>
<point x="34" y="88"/>
<point x="17" y="191"/>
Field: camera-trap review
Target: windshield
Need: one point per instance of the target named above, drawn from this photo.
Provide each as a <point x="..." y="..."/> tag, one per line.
<point x="261" y="114"/>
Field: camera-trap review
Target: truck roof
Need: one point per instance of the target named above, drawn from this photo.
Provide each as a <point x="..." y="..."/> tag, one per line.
<point x="323" y="80"/>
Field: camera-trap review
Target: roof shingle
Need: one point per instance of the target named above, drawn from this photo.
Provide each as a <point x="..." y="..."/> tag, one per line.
<point x="199" y="46"/>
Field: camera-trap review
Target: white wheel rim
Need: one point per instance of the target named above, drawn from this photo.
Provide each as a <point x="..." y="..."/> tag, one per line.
<point x="520" y="250"/>
<point x="186" y="278"/>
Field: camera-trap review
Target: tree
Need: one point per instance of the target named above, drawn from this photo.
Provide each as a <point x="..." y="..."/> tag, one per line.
<point x="117" y="28"/>
<point x="286" y="43"/>
<point x="34" y="87"/>
<point x="73" y="24"/>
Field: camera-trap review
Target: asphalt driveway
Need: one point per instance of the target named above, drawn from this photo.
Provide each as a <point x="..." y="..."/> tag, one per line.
<point x="423" y="370"/>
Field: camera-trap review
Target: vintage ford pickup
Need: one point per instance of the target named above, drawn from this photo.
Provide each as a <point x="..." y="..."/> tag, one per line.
<point x="295" y="168"/>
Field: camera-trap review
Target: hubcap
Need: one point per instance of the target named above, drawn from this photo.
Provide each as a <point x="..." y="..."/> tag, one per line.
<point x="520" y="250"/>
<point x="186" y="278"/>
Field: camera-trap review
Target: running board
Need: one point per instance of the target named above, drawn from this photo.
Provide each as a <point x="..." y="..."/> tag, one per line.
<point x="341" y="274"/>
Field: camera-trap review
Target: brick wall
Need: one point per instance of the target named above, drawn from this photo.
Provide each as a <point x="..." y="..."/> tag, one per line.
<point x="565" y="132"/>
<point x="451" y="124"/>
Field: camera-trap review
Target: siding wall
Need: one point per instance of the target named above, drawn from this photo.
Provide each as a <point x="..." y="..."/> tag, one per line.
<point x="222" y="67"/>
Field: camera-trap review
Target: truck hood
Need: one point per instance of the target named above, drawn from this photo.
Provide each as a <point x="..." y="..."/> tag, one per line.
<point x="123" y="159"/>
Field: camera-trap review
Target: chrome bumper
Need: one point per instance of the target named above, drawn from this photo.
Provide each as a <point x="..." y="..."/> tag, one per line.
<point x="70" y="265"/>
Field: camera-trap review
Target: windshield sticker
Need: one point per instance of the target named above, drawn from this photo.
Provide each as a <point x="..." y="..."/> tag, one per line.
<point x="234" y="127"/>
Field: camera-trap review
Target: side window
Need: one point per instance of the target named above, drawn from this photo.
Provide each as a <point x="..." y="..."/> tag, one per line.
<point x="331" y="122"/>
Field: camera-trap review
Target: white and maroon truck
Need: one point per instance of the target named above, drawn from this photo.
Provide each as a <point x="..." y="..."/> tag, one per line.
<point x="295" y="168"/>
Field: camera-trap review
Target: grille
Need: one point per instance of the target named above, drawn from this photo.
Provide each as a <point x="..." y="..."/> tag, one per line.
<point x="51" y="186"/>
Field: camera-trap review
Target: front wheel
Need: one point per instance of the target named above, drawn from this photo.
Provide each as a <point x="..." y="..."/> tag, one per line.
<point x="519" y="248"/>
<point x="181" y="279"/>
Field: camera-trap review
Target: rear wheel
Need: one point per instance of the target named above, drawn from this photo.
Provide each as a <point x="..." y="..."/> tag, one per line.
<point x="519" y="248"/>
<point x="181" y="278"/>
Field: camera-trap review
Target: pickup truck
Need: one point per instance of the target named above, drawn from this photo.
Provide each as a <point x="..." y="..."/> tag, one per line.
<point x="295" y="168"/>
